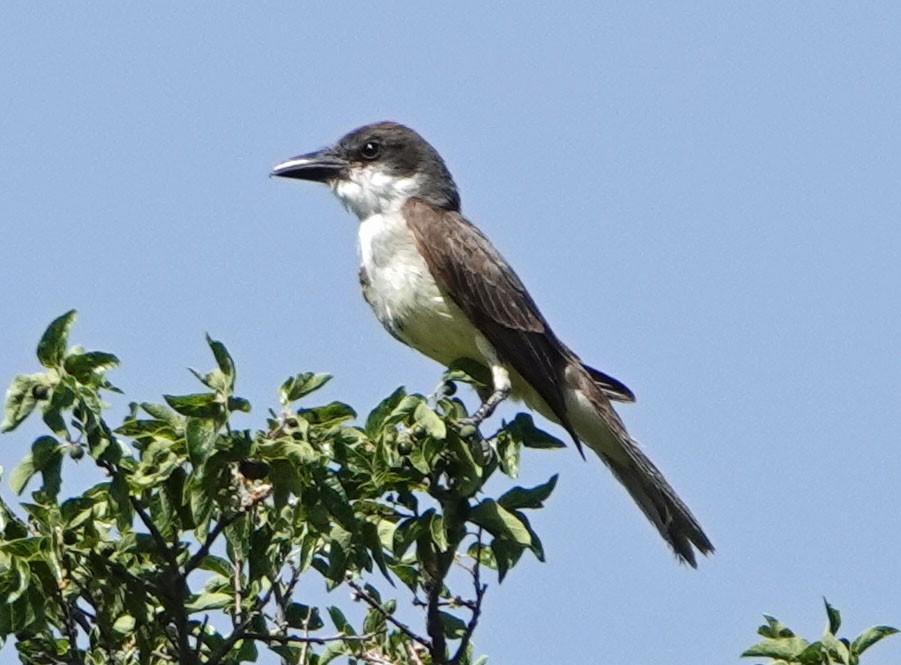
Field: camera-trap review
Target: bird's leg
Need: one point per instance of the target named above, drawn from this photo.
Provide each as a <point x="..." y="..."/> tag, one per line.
<point x="500" y="377"/>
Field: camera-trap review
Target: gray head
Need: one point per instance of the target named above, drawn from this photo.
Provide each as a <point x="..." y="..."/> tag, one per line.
<point x="376" y="168"/>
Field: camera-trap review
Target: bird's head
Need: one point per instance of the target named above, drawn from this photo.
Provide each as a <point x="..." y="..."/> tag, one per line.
<point x="375" y="169"/>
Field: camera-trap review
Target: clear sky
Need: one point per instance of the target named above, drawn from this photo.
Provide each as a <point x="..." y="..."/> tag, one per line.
<point x="705" y="201"/>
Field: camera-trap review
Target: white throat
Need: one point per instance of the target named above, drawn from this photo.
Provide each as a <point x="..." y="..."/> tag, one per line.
<point x="368" y="191"/>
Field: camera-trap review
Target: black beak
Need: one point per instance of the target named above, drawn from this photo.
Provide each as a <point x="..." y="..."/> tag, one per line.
<point x="319" y="166"/>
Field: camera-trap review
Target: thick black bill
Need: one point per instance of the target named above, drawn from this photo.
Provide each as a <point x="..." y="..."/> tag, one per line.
<point x="319" y="166"/>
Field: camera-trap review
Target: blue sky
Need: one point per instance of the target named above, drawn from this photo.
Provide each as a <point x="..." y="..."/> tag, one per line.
<point x="704" y="200"/>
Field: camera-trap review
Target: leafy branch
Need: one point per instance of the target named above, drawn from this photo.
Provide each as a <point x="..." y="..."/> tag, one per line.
<point x="784" y="647"/>
<point x="193" y="520"/>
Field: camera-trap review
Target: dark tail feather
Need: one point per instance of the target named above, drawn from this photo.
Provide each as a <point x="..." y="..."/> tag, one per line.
<point x="660" y="503"/>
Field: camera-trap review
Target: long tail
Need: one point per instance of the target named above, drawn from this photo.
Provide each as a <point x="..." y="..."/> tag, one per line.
<point x="600" y="428"/>
<point x="660" y="503"/>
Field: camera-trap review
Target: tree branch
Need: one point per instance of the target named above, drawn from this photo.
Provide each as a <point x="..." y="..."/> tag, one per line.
<point x="198" y="556"/>
<point x="476" y="606"/>
<point x="303" y="639"/>
<point x="372" y="602"/>
<point x="239" y="633"/>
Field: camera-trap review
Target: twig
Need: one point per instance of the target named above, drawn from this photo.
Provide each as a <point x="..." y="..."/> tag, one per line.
<point x="199" y="643"/>
<point x="158" y="539"/>
<point x="239" y="632"/>
<point x="476" y="606"/>
<point x="300" y="639"/>
<point x="198" y="556"/>
<point x="372" y="602"/>
<point x="71" y="632"/>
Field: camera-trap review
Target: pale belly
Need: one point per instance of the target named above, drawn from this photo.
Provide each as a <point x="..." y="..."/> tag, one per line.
<point x="405" y="298"/>
<point x="403" y="294"/>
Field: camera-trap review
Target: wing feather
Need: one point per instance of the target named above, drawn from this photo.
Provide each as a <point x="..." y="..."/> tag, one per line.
<point x="473" y="274"/>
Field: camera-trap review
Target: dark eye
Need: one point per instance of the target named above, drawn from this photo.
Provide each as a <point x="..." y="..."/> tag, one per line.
<point x="371" y="150"/>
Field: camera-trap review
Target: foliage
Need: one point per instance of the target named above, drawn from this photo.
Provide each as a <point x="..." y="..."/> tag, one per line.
<point x="785" y="648"/>
<point x="191" y="547"/>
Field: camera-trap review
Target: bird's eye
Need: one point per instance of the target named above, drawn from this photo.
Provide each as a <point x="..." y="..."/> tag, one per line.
<point x="371" y="150"/>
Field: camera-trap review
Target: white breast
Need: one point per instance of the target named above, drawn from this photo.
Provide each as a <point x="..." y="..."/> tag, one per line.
<point x="404" y="296"/>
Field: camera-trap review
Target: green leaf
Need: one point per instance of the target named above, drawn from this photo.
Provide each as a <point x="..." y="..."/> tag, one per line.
<point x="214" y="380"/>
<point x="339" y="548"/>
<point x="17" y="580"/>
<point x="330" y="414"/>
<point x="45" y="458"/>
<point x="83" y="366"/>
<point x="238" y="404"/>
<point x="377" y="417"/>
<point x="505" y="554"/>
<point x="870" y="636"/>
<point x="508" y="450"/>
<point x="439" y="536"/>
<point x="224" y="361"/>
<point x="200" y="434"/>
<point x="157" y="429"/>
<point x="408" y="530"/>
<point x="784" y="648"/>
<point x="198" y="405"/>
<point x="25" y="548"/>
<point x="407" y="574"/>
<point x="466" y="471"/>
<point x="454" y="627"/>
<point x="20" y="399"/>
<point x="301" y="384"/>
<point x="374" y="543"/>
<point x="500" y="522"/>
<point x="536" y="546"/>
<point x="481" y="552"/>
<point x="52" y="347"/>
<point x="466" y="370"/>
<point x="835" y="617"/>
<point x="534" y="497"/>
<point x="216" y="564"/>
<point x="835" y="648"/>
<point x="298" y="615"/>
<point x="774" y="628"/>
<point x="208" y="601"/>
<point x="124" y="624"/>
<point x="162" y="412"/>
<point x="339" y="620"/>
<point x="523" y="429"/>
<point x="332" y="650"/>
<point x="429" y="421"/>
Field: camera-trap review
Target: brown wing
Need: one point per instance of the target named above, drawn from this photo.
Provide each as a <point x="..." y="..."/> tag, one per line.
<point x="471" y="272"/>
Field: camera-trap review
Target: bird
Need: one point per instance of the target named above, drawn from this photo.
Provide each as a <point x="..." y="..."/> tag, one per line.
<point x="437" y="284"/>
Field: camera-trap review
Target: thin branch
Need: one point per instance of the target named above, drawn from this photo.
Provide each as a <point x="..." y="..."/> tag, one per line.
<point x="372" y="602"/>
<point x="197" y="558"/>
<point x="158" y="539"/>
<point x="301" y="639"/>
<point x="71" y="632"/>
<point x="199" y="643"/>
<point x="239" y="632"/>
<point x="476" y="606"/>
<point x="220" y="526"/>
